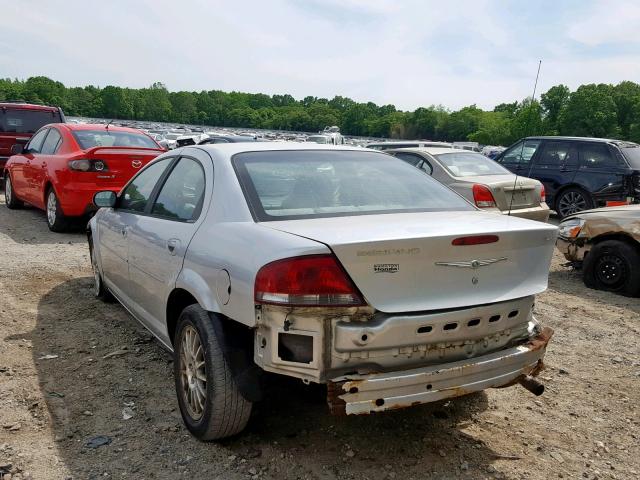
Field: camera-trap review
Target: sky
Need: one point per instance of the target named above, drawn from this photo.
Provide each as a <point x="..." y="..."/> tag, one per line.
<point x="409" y="53"/>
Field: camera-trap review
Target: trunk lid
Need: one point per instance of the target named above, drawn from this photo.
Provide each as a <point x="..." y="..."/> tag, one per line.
<point x="525" y="191"/>
<point x="406" y="262"/>
<point x="122" y="163"/>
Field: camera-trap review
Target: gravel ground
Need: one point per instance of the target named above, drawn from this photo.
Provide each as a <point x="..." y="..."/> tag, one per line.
<point x="62" y="393"/>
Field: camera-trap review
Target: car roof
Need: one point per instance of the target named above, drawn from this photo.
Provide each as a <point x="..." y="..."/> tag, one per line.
<point x="230" y="149"/>
<point x="432" y="150"/>
<point x="403" y="142"/>
<point x="27" y="106"/>
<point x="579" y="139"/>
<point x="98" y="126"/>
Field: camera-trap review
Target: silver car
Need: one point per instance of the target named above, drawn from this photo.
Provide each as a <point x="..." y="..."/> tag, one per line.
<point x="479" y="179"/>
<point x="334" y="265"/>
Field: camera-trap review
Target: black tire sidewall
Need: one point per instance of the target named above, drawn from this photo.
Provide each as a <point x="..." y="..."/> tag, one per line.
<point x="190" y="317"/>
<point x="627" y="253"/>
<point x="61" y="223"/>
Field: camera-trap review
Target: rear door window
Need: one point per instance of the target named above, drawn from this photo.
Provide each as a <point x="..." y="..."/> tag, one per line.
<point x="558" y="154"/>
<point x="415" y="160"/>
<point x="182" y="194"/>
<point x="136" y="195"/>
<point x="35" y="144"/>
<point x="52" y="142"/>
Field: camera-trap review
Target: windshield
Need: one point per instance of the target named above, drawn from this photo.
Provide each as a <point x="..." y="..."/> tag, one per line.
<point x="632" y="154"/>
<point x="26" y="121"/>
<point x="282" y="185"/>
<point x="110" y="138"/>
<point x="468" y="164"/>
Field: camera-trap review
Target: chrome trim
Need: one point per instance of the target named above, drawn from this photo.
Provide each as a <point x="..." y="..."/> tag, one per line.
<point x="472" y="263"/>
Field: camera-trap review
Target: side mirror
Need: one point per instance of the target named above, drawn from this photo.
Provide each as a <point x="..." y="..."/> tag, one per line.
<point x="105" y="198"/>
<point x="17" y="149"/>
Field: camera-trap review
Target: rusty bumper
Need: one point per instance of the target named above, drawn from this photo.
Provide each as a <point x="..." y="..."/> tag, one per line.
<point x="362" y="394"/>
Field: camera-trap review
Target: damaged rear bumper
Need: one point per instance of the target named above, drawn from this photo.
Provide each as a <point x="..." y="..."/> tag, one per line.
<point x="362" y="394"/>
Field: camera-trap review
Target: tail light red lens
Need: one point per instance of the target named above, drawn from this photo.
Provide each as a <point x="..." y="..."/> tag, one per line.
<point x="543" y="194"/>
<point x="88" y="165"/>
<point x="483" y="197"/>
<point x="312" y="280"/>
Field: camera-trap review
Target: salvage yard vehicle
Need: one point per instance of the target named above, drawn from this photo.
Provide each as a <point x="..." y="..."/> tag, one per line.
<point x="333" y="265"/>
<point x="480" y="180"/>
<point x="63" y="165"/>
<point x="578" y="173"/>
<point x="408" y="144"/>
<point x="605" y="244"/>
<point x="19" y="121"/>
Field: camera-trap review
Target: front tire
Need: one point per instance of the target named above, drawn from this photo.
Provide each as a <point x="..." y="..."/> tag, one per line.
<point x="210" y="402"/>
<point x="56" y="220"/>
<point x="10" y="195"/>
<point x="573" y="200"/>
<point x="613" y="266"/>
<point x="99" y="290"/>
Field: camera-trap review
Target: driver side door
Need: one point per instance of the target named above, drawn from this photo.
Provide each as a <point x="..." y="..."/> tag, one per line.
<point x="114" y="225"/>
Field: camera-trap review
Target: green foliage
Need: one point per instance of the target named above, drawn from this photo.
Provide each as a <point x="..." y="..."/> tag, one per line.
<point x="592" y="110"/>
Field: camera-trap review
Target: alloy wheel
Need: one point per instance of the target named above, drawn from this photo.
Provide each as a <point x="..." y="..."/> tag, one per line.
<point x="611" y="270"/>
<point x="571" y="202"/>
<point x="52" y="207"/>
<point x="193" y="372"/>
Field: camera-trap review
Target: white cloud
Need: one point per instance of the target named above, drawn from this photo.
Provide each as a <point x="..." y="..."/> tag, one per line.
<point x="409" y="53"/>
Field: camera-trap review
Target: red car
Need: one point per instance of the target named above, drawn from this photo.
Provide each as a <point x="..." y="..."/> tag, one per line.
<point x="19" y="121"/>
<point x="64" y="165"/>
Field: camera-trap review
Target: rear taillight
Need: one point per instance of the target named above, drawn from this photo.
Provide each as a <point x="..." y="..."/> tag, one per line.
<point x="88" y="165"/>
<point x="483" y="197"/>
<point x="543" y="194"/>
<point x="312" y="280"/>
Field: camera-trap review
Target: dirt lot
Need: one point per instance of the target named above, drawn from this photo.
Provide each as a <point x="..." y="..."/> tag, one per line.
<point x="60" y="388"/>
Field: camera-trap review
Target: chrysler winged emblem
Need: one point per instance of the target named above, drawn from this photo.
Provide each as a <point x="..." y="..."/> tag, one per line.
<point x="475" y="264"/>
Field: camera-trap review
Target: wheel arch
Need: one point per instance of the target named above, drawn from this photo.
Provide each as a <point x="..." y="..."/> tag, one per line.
<point x="619" y="236"/>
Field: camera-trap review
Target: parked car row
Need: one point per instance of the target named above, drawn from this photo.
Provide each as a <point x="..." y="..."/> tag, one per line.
<point x="394" y="278"/>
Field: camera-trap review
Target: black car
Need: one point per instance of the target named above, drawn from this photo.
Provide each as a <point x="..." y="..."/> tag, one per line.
<point x="578" y="173"/>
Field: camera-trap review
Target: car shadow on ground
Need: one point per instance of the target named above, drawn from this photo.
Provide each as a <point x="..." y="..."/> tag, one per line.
<point x="108" y="368"/>
<point x="28" y="225"/>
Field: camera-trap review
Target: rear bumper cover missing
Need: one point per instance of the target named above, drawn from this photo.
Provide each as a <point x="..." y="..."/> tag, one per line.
<point x="362" y="394"/>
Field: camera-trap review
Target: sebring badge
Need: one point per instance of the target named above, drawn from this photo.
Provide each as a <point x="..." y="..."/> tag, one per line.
<point x="475" y="264"/>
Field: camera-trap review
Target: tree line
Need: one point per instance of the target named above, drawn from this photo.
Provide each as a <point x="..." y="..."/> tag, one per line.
<point x="599" y="110"/>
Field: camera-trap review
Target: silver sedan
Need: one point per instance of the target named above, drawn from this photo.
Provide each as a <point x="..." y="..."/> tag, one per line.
<point x="479" y="179"/>
<point x="333" y="265"/>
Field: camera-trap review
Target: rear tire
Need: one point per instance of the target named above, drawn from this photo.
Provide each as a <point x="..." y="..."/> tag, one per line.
<point x="56" y="220"/>
<point x="573" y="200"/>
<point x="613" y="266"/>
<point x="10" y="196"/>
<point x="211" y="405"/>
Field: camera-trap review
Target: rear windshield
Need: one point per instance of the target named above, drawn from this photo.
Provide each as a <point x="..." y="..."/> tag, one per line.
<point x="105" y="138"/>
<point x="632" y="154"/>
<point x="283" y="185"/>
<point x="26" y="121"/>
<point x="468" y="164"/>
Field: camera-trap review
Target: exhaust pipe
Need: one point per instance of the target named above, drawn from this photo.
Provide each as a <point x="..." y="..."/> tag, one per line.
<point x="531" y="384"/>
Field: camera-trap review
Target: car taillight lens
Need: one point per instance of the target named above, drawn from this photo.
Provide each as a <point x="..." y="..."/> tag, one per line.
<point x="543" y="194"/>
<point x="312" y="280"/>
<point x="87" y="165"/>
<point x="483" y="197"/>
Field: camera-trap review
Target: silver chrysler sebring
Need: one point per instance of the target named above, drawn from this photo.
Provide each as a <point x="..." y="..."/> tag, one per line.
<point x="334" y="265"/>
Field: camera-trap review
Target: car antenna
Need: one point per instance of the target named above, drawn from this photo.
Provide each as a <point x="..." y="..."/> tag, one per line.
<point x="108" y="123"/>
<point x="533" y="97"/>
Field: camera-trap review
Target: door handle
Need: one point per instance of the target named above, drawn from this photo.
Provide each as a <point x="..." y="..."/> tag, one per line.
<point x="172" y="245"/>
